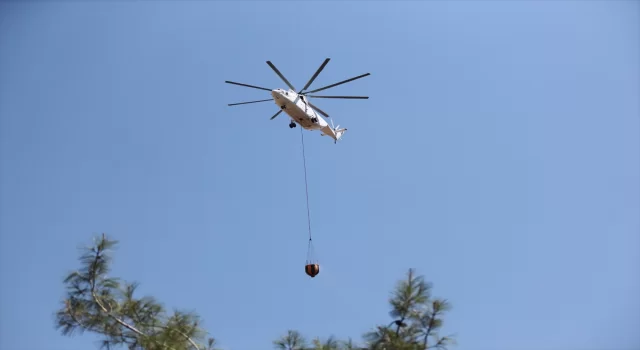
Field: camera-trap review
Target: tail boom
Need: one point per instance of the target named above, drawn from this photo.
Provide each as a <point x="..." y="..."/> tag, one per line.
<point x="335" y="133"/>
<point x="339" y="133"/>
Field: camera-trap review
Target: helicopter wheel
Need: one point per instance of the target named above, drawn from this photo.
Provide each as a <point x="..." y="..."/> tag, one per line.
<point x="315" y="120"/>
<point x="292" y="125"/>
<point x="283" y="107"/>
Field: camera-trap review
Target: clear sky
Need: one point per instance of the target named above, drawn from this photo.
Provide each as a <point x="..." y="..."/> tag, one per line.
<point x="498" y="154"/>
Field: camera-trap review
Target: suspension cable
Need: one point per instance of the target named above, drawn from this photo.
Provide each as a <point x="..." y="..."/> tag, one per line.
<point x="306" y="185"/>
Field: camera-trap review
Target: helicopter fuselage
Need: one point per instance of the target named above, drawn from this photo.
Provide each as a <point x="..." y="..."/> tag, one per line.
<point x="301" y="113"/>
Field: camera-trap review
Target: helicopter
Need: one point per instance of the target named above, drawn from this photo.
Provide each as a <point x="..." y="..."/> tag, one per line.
<point x="297" y="105"/>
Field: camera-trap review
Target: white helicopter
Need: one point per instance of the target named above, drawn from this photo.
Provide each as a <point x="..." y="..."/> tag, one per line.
<point x="298" y="106"/>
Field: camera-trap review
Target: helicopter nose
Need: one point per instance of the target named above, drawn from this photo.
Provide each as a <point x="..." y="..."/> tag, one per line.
<point x="275" y="93"/>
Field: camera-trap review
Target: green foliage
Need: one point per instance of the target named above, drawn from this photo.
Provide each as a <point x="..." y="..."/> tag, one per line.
<point x="107" y="306"/>
<point x="417" y="321"/>
<point x="330" y="343"/>
<point x="292" y="341"/>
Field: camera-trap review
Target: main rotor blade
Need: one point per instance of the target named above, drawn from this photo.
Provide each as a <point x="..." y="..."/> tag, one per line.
<point x="244" y="103"/>
<point x="340" y="83"/>
<point x="318" y="109"/>
<point x="315" y="75"/>
<point x="251" y="86"/>
<point x="280" y="75"/>
<point x="275" y="115"/>
<point x="348" y="97"/>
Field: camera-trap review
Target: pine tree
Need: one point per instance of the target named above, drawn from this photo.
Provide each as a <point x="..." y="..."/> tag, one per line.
<point x="417" y="319"/>
<point x="330" y="343"/>
<point x="292" y="341"/>
<point x="107" y="306"/>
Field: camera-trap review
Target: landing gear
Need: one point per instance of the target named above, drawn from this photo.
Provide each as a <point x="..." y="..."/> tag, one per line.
<point x="292" y="125"/>
<point x="283" y="107"/>
<point x="314" y="119"/>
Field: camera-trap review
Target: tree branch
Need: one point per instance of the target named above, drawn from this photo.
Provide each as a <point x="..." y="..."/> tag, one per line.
<point x="195" y="346"/>
<point x="93" y="276"/>
<point x="97" y="303"/>
<point x="97" y="300"/>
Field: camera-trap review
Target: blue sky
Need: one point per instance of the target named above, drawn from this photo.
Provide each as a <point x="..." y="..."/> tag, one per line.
<point x="499" y="155"/>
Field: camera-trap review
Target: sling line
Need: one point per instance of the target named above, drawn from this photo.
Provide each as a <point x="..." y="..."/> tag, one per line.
<point x="306" y="185"/>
